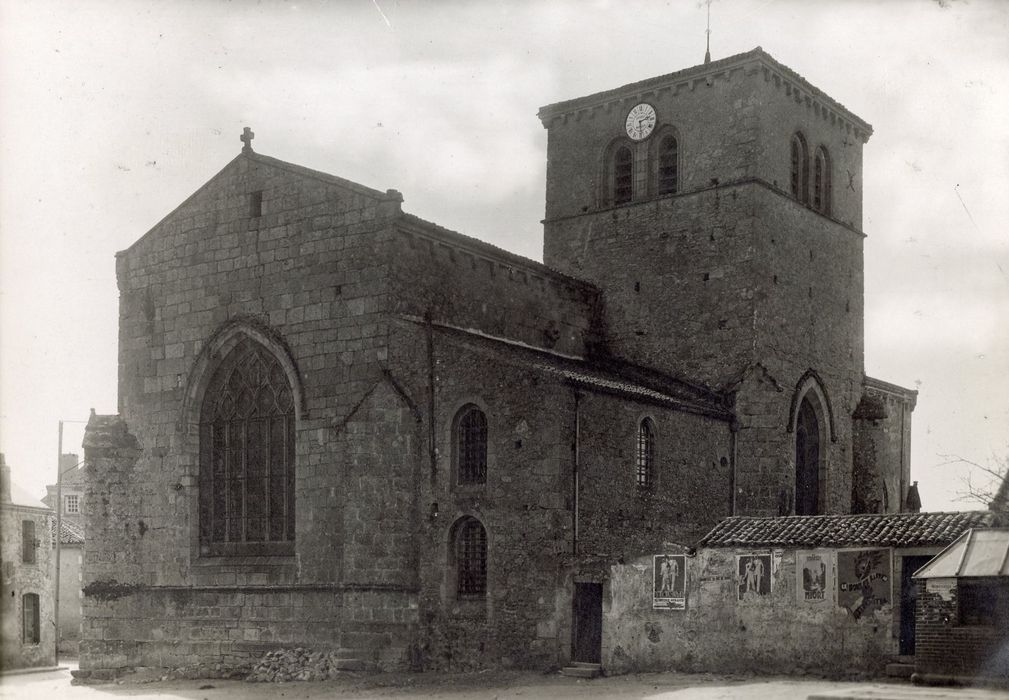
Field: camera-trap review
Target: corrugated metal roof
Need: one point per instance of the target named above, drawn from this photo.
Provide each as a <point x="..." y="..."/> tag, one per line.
<point x="975" y="553"/>
<point x="891" y="530"/>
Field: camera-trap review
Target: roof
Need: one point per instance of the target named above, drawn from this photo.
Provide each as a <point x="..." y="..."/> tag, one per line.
<point x="975" y="553"/>
<point x="22" y="497"/>
<point x="697" y="71"/>
<point x="891" y="530"/>
<point x="70" y="532"/>
<point x="622" y="379"/>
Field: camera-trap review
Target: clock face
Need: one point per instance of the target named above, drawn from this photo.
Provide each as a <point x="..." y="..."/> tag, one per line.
<point x="640" y="121"/>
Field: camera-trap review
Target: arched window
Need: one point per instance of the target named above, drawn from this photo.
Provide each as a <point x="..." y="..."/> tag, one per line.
<point x="30" y="613"/>
<point x="470" y="558"/>
<point x="807" y="460"/>
<point x="800" y="168"/>
<point x="247" y="455"/>
<point x="667" y="163"/>
<point x="471" y="446"/>
<point x="623" y="175"/>
<point x="821" y="181"/>
<point x="645" y="461"/>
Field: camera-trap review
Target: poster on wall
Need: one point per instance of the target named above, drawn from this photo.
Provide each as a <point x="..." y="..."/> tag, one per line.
<point x="753" y="576"/>
<point x="863" y="580"/>
<point x="669" y="582"/>
<point x="815" y="577"/>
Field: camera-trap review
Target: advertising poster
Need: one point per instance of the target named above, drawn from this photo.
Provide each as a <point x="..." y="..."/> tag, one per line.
<point x="863" y="580"/>
<point x="669" y="585"/>
<point x="815" y="577"/>
<point x="753" y="576"/>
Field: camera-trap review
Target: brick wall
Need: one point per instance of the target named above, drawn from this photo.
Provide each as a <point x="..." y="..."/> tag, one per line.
<point x="944" y="647"/>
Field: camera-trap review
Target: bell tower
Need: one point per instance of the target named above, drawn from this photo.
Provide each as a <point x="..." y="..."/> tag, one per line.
<point x="719" y="208"/>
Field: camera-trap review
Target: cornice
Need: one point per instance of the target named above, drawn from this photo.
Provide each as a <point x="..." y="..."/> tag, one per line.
<point x="751" y="63"/>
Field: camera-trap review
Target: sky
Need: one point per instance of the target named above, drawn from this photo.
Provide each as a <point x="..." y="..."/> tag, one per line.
<point x="113" y="112"/>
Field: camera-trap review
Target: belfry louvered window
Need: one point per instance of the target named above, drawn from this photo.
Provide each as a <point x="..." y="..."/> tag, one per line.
<point x="800" y="168"/>
<point x="668" y="165"/>
<point x="623" y="175"/>
<point x="646" y="454"/>
<point x="471" y="558"/>
<point x="247" y="455"/>
<point x="471" y="446"/>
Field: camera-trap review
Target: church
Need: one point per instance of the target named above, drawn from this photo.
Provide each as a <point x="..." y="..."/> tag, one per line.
<point x="347" y="428"/>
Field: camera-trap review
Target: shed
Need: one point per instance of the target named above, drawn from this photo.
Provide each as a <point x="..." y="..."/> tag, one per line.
<point x="963" y="610"/>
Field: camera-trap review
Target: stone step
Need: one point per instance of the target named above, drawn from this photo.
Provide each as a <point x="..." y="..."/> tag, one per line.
<point x="899" y="670"/>
<point x="586" y="664"/>
<point x="344" y="664"/>
<point x="583" y="671"/>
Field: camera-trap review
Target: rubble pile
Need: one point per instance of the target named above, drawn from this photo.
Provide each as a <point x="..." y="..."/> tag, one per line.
<point x="296" y="664"/>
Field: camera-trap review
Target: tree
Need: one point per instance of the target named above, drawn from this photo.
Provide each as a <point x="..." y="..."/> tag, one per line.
<point x="987" y="484"/>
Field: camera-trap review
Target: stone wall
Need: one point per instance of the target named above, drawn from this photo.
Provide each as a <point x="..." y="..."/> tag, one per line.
<point x="945" y="648"/>
<point x="882" y="448"/>
<point x="775" y="634"/>
<point x="71" y="561"/>
<point x="18" y="578"/>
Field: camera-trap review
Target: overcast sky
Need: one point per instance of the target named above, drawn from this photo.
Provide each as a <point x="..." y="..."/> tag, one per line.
<point x="111" y="113"/>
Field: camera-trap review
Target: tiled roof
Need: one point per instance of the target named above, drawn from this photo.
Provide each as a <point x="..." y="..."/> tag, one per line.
<point x="72" y="532"/>
<point x="894" y="530"/>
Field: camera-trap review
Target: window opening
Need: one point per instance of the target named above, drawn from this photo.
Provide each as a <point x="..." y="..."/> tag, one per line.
<point x="73" y="504"/>
<point x="471" y="444"/>
<point x="645" y="454"/>
<point x="471" y="559"/>
<point x="821" y="181"/>
<point x="807" y="461"/>
<point x="800" y="168"/>
<point x="29" y="543"/>
<point x="30" y="609"/>
<point x="667" y="165"/>
<point x="247" y="452"/>
<point x="623" y="175"/>
<point x="256" y="204"/>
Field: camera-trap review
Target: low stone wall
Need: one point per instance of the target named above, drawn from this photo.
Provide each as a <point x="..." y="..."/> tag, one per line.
<point x="766" y="632"/>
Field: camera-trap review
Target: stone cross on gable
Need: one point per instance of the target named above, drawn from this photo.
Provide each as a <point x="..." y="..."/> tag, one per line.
<point x="246" y="138"/>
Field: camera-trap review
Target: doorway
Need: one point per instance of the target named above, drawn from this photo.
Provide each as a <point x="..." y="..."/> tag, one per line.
<point x="587" y="623"/>
<point x="908" y="600"/>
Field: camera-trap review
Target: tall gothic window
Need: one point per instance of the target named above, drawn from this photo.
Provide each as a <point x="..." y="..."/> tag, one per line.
<point x="800" y="168"/>
<point x="667" y="165"/>
<point x="30" y="614"/>
<point x="807" y="460"/>
<point x="623" y="175"/>
<point x="821" y="181"/>
<point x="470" y="558"/>
<point x="646" y="454"/>
<point x="247" y="456"/>
<point x="471" y="446"/>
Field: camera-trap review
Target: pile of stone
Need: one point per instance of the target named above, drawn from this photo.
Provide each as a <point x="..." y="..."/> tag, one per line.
<point x="296" y="664"/>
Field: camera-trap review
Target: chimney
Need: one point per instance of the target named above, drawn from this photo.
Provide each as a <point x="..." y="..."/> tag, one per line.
<point x="5" y="480"/>
<point x="913" y="502"/>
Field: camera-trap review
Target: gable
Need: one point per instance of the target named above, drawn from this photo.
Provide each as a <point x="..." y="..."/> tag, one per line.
<point x="223" y="205"/>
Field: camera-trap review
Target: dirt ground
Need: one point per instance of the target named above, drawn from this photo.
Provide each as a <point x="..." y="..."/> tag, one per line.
<point x="483" y="686"/>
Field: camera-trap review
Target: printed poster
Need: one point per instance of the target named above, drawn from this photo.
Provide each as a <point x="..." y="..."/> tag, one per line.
<point x="863" y="580"/>
<point x="669" y="586"/>
<point x="815" y="577"/>
<point x="753" y="577"/>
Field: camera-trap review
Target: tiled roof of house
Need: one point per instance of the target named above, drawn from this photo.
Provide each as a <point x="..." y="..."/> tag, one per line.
<point x="893" y="530"/>
<point x="72" y="533"/>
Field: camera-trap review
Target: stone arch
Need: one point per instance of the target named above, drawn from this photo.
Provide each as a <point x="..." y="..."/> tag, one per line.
<point x="657" y="155"/>
<point x="811" y="422"/>
<point x="218" y="346"/>
<point x="609" y="175"/>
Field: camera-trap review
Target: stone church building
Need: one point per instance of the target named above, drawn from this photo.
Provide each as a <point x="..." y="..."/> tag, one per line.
<point x="344" y="427"/>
